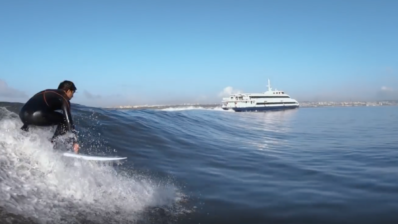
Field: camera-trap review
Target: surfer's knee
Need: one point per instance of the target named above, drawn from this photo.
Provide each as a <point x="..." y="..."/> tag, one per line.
<point x="26" y="118"/>
<point x="23" y="116"/>
<point x="25" y="127"/>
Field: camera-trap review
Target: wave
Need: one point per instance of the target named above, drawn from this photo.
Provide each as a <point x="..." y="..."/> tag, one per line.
<point x="36" y="182"/>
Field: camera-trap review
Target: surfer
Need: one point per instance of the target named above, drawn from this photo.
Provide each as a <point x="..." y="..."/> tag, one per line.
<point x="40" y="110"/>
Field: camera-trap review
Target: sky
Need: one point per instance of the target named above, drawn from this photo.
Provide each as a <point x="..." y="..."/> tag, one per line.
<point x="174" y="52"/>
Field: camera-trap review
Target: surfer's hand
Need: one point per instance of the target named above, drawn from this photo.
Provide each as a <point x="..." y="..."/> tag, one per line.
<point x="76" y="148"/>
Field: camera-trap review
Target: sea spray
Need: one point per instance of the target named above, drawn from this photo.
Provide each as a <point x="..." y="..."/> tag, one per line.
<point x="36" y="182"/>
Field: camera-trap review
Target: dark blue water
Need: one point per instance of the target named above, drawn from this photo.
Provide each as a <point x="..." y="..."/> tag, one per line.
<point x="309" y="165"/>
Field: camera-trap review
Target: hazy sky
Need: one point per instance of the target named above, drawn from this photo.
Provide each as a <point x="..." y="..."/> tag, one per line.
<point x="160" y="52"/>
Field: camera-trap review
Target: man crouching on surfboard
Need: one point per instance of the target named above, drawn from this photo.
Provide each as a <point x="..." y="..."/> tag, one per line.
<point x="40" y="111"/>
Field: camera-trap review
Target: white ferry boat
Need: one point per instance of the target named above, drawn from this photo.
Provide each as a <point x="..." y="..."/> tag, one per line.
<point x="269" y="100"/>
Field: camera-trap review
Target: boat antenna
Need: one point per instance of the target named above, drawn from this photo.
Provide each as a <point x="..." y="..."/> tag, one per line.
<point x="269" y="86"/>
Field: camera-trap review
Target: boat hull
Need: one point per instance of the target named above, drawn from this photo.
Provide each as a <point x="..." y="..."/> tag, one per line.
<point x="260" y="109"/>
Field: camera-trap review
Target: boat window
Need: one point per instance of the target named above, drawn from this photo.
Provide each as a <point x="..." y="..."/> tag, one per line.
<point x="267" y="103"/>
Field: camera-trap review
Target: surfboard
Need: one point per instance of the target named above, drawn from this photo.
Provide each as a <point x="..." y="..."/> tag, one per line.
<point x="92" y="158"/>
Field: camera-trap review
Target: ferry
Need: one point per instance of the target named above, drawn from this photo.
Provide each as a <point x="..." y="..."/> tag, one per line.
<point x="269" y="100"/>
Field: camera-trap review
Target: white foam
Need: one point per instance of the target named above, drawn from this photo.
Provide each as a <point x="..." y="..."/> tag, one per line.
<point x="37" y="182"/>
<point x="220" y="109"/>
<point x="194" y="108"/>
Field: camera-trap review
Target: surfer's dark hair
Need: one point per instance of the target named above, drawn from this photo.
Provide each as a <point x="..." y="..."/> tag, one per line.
<point x="67" y="85"/>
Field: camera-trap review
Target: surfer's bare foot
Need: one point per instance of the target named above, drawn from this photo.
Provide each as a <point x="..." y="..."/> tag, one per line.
<point x="76" y="148"/>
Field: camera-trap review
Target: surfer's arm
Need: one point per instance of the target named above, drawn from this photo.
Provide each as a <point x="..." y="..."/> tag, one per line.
<point x="69" y="121"/>
<point x="67" y="116"/>
<point x="70" y="126"/>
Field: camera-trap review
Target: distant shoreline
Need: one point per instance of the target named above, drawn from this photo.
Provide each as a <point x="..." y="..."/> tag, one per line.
<point x="302" y="104"/>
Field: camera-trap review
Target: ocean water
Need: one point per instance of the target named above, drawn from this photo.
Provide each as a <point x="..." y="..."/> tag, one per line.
<point x="205" y="165"/>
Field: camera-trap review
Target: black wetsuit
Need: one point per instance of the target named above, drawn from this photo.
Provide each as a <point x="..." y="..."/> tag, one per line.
<point x="40" y="110"/>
